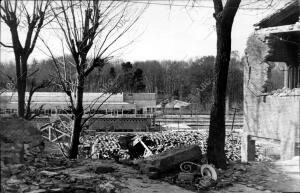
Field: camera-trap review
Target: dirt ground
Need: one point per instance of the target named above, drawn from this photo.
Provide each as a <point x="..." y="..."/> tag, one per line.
<point x="95" y="175"/>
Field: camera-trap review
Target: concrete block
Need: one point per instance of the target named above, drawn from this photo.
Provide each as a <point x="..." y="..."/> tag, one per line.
<point x="169" y="160"/>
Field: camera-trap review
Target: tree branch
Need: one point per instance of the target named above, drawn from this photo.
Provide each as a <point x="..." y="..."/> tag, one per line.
<point x="230" y="10"/>
<point x="7" y="46"/>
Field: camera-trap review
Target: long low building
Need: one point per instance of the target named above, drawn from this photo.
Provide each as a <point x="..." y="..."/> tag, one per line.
<point x="102" y="103"/>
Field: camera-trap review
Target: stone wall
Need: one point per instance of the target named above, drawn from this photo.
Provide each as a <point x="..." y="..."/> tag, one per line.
<point x="273" y="115"/>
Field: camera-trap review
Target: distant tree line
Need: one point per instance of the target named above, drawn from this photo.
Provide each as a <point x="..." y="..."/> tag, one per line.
<point x="189" y="81"/>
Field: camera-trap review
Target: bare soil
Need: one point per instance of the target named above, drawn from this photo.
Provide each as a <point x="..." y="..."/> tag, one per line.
<point x="89" y="175"/>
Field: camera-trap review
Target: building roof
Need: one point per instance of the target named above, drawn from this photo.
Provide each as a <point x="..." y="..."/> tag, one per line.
<point x="140" y="96"/>
<point x="175" y="104"/>
<point x="288" y="14"/>
<point x="61" y="100"/>
<point x="62" y="97"/>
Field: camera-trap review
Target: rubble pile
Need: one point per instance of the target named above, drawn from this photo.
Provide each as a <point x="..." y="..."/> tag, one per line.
<point x="285" y="92"/>
<point x="55" y="175"/>
<point x="237" y="173"/>
<point x="107" y="147"/>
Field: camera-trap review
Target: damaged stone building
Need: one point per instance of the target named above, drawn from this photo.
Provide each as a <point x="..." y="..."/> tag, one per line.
<point x="273" y="112"/>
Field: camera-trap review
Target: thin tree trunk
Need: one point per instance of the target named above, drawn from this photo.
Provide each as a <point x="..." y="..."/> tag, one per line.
<point x="21" y="102"/>
<point x="77" y="119"/>
<point x="19" y="86"/>
<point x="216" y="139"/>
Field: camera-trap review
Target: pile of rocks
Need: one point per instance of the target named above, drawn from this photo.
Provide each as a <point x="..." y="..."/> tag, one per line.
<point x="106" y="145"/>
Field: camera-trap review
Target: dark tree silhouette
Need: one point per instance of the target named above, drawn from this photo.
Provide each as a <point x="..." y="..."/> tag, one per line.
<point x="138" y="81"/>
<point x="112" y="73"/>
<point x="224" y="16"/>
<point x="127" y="76"/>
<point x="15" y="14"/>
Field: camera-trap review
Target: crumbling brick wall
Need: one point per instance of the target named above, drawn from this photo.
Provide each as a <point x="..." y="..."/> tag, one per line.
<point x="275" y="116"/>
<point x="256" y="71"/>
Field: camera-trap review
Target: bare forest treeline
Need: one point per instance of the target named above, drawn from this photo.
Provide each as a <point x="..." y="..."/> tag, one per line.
<point x="189" y="81"/>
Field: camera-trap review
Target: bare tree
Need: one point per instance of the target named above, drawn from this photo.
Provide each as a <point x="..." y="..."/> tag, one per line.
<point x="90" y="30"/>
<point x="224" y="16"/>
<point x="18" y="15"/>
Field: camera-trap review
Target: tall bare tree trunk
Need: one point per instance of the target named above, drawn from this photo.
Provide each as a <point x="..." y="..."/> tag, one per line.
<point x="216" y="139"/>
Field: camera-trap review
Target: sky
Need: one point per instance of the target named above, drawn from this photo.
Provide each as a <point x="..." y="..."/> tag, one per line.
<point x="164" y="33"/>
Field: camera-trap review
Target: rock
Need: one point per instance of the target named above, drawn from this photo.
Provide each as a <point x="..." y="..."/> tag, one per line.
<point x="169" y="160"/>
<point x="228" y="173"/>
<point x="186" y="177"/>
<point x="56" y="190"/>
<point x="104" y="169"/>
<point x="2" y="164"/>
<point x="72" y="180"/>
<point x="48" y="173"/>
<point x="46" y="186"/>
<point x="16" y="168"/>
<point x="38" y="191"/>
<point x="64" y="185"/>
<point x="250" y="185"/>
<point x="5" y="171"/>
<point x="106" y="188"/>
<point x="84" y="187"/>
<point x="153" y="175"/>
<point x="267" y="191"/>
<point x="13" y="180"/>
<point x="55" y="168"/>
<point x="125" y="190"/>
<point x="82" y="191"/>
<point x="224" y="183"/>
<point x="24" y="188"/>
<point x="260" y="188"/>
<point x="273" y="171"/>
<point x="12" y="188"/>
<point x="34" y="187"/>
<point x="205" y="182"/>
<point x="240" y="168"/>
